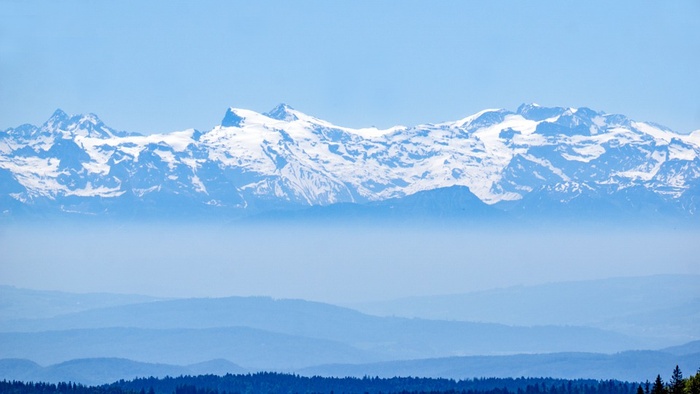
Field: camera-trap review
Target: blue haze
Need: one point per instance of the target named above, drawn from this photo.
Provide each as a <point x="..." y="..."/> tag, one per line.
<point x="331" y="263"/>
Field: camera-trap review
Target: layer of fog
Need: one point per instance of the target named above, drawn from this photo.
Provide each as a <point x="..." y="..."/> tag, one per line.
<point x="337" y="264"/>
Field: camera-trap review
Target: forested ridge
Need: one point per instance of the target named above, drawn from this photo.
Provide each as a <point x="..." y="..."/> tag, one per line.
<point x="270" y="382"/>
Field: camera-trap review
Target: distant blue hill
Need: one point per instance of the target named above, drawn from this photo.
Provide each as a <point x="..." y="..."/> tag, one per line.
<point x="342" y="332"/>
<point x="20" y="303"/>
<point x="633" y="366"/>
<point x="637" y="366"/>
<point x="260" y="333"/>
<point x="248" y="347"/>
<point x="97" y="371"/>
<point x="665" y="307"/>
<point x="684" y="349"/>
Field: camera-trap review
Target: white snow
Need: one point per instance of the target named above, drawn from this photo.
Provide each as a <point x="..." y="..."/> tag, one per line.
<point x="143" y="191"/>
<point x="654" y="132"/>
<point x="545" y="163"/>
<point x="373" y="132"/>
<point x="167" y="157"/>
<point x="90" y="191"/>
<point x="198" y="185"/>
<point x="466" y="121"/>
<point x="676" y="151"/>
<point x="599" y="121"/>
<point x="585" y="153"/>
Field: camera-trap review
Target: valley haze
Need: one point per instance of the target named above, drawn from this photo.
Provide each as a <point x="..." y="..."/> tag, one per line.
<point x="331" y="263"/>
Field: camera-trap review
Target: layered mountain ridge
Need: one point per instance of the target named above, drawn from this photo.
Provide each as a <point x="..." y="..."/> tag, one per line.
<point x="533" y="159"/>
<point x="103" y="337"/>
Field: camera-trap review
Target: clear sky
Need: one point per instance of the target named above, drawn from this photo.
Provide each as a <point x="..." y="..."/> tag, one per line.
<point x="163" y="65"/>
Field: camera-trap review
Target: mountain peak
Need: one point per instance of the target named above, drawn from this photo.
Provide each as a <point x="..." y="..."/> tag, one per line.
<point x="58" y="120"/>
<point x="68" y="126"/>
<point x="537" y="112"/>
<point x="524" y="107"/>
<point x="231" y="118"/>
<point x="58" y="115"/>
<point x="282" y="112"/>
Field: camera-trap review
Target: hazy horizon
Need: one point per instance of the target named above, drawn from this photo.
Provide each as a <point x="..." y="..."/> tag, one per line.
<point x="330" y="263"/>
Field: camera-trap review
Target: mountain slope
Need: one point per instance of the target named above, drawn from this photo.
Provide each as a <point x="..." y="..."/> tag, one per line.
<point x="248" y="347"/>
<point x="20" y="303"/>
<point x="630" y="366"/>
<point x="663" y="306"/>
<point x="94" y="371"/>
<point x="532" y="158"/>
<point x="380" y="337"/>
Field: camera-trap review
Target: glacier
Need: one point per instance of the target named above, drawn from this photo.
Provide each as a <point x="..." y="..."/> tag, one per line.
<point x="530" y="159"/>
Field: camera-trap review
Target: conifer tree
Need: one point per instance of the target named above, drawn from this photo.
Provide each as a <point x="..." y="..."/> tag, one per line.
<point x="658" y="387"/>
<point x="692" y="384"/>
<point x="677" y="384"/>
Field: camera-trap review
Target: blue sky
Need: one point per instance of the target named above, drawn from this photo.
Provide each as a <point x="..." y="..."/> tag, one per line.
<point x="160" y="66"/>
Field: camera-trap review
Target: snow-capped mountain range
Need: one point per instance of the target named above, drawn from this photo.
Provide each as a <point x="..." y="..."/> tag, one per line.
<point x="529" y="159"/>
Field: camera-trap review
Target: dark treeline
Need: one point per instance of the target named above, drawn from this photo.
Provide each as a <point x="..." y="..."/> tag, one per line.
<point x="268" y="382"/>
<point x="16" y="387"/>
